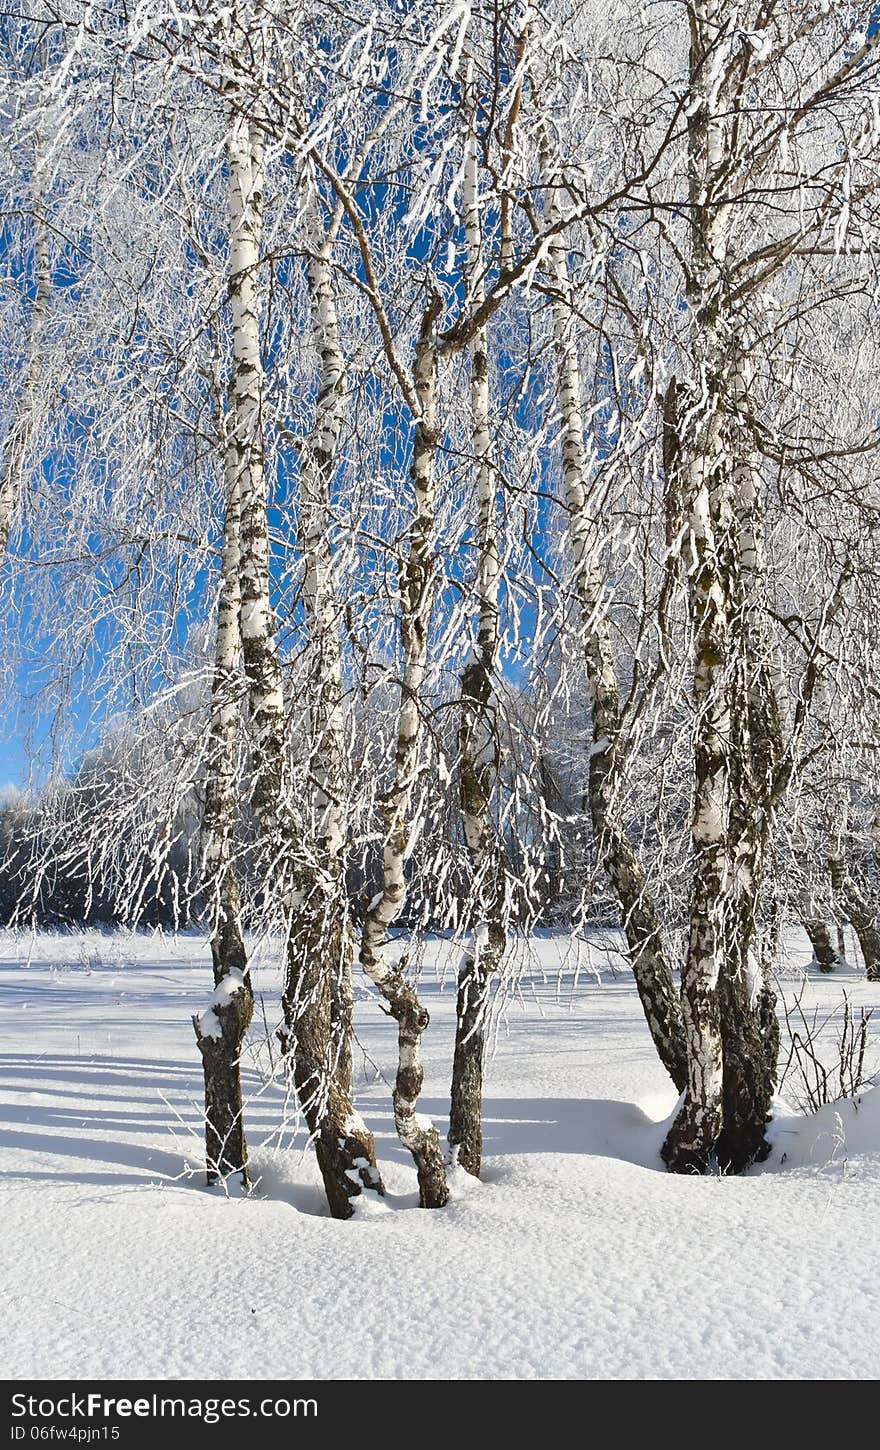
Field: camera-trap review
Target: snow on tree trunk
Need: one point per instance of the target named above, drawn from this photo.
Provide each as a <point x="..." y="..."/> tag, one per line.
<point x="585" y="531"/>
<point x="318" y="458"/>
<point x="220" y="1031"/>
<point x="730" y="1022"/>
<point x="749" y="1026"/>
<point x="696" y="1129"/>
<point x="478" y="740"/>
<point x="17" y="439"/>
<point x="707" y="504"/>
<point x="416" y="1132"/>
<point x="344" y="1147"/>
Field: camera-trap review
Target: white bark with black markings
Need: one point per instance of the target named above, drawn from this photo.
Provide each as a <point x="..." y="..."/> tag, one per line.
<point x="478" y="732"/>
<point x="417" y="585"/>
<point x="332" y="930"/>
<point x="220" y="1031"/>
<point x="707" y="505"/>
<point x="344" y="1146"/>
<point x="16" y="445"/>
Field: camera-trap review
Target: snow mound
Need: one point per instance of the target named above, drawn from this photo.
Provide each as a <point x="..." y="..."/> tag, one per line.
<point x="847" y="1131"/>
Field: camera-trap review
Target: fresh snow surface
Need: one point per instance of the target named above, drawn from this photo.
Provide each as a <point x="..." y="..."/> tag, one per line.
<point x="577" y="1256"/>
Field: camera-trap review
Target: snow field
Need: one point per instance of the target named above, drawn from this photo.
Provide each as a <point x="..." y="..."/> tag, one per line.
<point x="577" y="1256"/>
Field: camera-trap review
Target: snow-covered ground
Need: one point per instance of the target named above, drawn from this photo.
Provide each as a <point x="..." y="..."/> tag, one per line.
<point x="578" y="1256"/>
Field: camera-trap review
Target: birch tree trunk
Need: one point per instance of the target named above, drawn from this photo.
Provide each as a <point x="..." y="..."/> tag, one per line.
<point x="344" y="1146"/>
<point x="17" y="439"/>
<point x="706" y="493"/>
<point x="730" y="1023"/>
<point x="696" y="1129"/>
<point x="318" y="458"/>
<point x="811" y="865"/>
<point x="220" y="1031"/>
<point x="825" y="954"/>
<point x="749" y="1026"/>
<point x="833" y="824"/>
<point x="858" y="910"/>
<point x="416" y="1132"/>
<point x="619" y="858"/>
<point x="478" y="740"/>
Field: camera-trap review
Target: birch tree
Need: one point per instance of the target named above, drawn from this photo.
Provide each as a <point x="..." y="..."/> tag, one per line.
<point x="318" y="459"/>
<point x="343" y="1144"/>
<point x="221" y="1029"/>
<point x="17" y="439"/>
<point x="728" y="1013"/>
<point x="586" y="528"/>
<point x="478" y="731"/>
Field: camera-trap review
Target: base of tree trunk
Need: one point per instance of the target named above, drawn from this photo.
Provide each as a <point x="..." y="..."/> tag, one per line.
<point x="701" y="1141"/>
<point x="316" y="1041"/>
<point x="688" y="1146"/>
<point x="431" y="1172"/>
<point x="347" y="1161"/>
<point x="423" y="1141"/>
<point x="740" y="1143"/>
<point x="225" y="1142"/>
<point x="466" y="1102"/>
<point x="344" y="1146"/>
<point x="824" y="954"/>
<point x="750" y="1039"/>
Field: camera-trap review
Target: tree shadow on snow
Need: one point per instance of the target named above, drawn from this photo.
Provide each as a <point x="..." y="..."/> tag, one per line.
<point x="591" y="1127"/>
<point x="63" y="1101"/>
<point x="67" y="1106"/>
